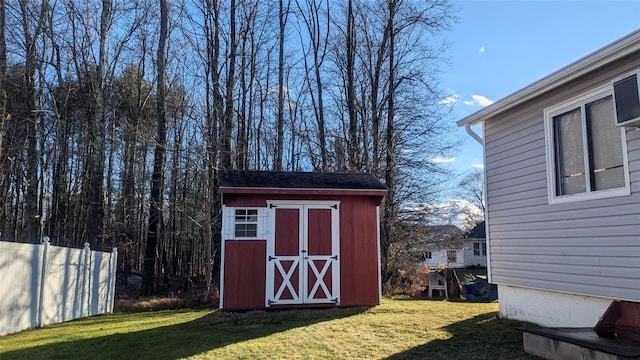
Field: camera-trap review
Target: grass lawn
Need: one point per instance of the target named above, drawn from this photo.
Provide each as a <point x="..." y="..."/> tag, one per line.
<point x="397" y="329"/>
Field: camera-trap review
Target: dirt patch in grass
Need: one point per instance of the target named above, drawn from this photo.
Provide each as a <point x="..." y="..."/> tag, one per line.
<point x="171" y="294"/>
<point x="147" y="304"/>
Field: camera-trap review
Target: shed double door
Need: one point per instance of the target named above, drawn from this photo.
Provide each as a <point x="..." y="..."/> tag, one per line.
<point x="302" y="253"/>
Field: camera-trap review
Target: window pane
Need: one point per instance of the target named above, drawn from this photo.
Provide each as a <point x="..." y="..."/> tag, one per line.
<point x="240" y="230"/>
<point x="570" y="175"/>
<point x="246" y="230"/>
<point x="252" y="215"/>
<point x="246" y="223"/>
<point x="252" y="230"/>
<point x="241" y="215"/>
<point x="605" y="146"/>
<point x="627" y="101"/>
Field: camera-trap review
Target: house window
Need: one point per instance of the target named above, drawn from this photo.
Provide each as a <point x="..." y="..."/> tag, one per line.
<point x="627" y="100"/>
<point x="246" y="223"/>
<point x="451" y="256"/>
<point x="476" y="249"/>
<point x="427" y="255"/>
<point x="586" y="152"/>
<point x="484" y="249"/>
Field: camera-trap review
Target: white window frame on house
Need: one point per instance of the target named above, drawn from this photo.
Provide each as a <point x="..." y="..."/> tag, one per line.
<point x="580" y="102"/>
<point x="476" y="248"/>
<point x="452" y="256"/>
<point x="626" y="100"/>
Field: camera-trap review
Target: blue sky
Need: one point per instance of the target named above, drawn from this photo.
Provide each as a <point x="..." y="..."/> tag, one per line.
<point x="499" y="47"/>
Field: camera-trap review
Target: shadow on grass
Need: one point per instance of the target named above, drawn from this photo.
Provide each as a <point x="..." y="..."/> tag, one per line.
<point x="209" y="332"/>
<point x="481" y="337"/>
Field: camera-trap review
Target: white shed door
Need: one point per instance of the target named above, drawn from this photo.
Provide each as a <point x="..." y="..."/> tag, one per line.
<point x="302" y="251"/>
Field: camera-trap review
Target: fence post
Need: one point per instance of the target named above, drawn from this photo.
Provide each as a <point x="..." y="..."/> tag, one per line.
<point x="111" y="292"/>
<point x="86" y="305"/>
<point x="43" y="275"/>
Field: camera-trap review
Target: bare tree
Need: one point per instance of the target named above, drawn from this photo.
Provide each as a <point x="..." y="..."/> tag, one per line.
<point x="390" y="170"/>
<point x="4" y="159"/>
<point x="318" y="39"/>
<point x="32" y="27"/>
<point x="283" y="15"/>
<point x="227" y="123"/>
<point x="471" y="189"/>
<point x="156" y="224"/>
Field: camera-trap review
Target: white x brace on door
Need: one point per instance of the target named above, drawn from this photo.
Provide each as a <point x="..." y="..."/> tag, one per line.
<point x="302" y="252"/>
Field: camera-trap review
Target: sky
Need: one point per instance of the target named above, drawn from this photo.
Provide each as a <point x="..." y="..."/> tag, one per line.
<point x="499" y="47"/>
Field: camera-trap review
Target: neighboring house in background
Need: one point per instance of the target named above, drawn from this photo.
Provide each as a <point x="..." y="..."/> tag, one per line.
<point x="444" y="246"/>
<point x="562" y="182"/>
<point x="475" y="246"/>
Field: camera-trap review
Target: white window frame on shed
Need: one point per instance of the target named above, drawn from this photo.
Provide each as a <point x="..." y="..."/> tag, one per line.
<point x="231" y="219"/>
<point x="580" y="103"/>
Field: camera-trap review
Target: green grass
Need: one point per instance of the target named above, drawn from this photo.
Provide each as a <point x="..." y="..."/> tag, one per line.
<point x="397" y="329"/>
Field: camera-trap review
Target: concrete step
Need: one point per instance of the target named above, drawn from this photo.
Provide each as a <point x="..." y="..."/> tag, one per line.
<point x="577" y="344"/>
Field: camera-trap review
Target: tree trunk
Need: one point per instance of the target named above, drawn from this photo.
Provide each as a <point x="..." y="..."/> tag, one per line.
<point x="31" y="216"/>
<point x="157" y="178"/>
<point x="96" y="138"/>
<point x="227" y="124"/>
<point x="352" y="142"/>
<point x="4" y="161"/>
<point x="282" y="17"/>
<point x="389" y="171"/>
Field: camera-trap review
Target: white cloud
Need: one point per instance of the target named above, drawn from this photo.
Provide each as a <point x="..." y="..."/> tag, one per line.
<point x="478" y="100"/>
<point x="481" y="51"/>
<point x="454" y="212"/>
<point x="477" y="166"/>
<point x="450" y="100"/>
<point x="442" y="160"/>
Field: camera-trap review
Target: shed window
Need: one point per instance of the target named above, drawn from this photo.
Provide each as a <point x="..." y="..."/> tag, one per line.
<point x="586" y="152"/>
<point x="246" y="223"/>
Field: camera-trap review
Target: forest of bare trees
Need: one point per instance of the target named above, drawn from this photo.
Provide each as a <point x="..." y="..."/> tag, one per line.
<point x="116" y="115"/>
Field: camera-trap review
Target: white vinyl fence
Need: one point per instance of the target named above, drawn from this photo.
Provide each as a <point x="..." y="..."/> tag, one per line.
<point x="42" y="284"/>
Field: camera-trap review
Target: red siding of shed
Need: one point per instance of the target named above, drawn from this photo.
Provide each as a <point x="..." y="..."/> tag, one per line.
<point x="319" y="229"/>
<point x="287" y="232"/>
<point x="245" y="274"/>
<point x="359" y="252"/>
<point x="359" y="282"/>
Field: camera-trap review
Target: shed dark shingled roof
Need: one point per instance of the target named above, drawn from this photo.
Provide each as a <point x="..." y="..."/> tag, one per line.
<point x="299" y="180"/>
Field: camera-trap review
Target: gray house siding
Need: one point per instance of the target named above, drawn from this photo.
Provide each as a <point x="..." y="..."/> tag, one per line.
<point x="585" y="247"/>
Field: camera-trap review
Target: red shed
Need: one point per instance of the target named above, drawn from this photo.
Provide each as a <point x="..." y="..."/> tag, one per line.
<point x="296" y="239"/>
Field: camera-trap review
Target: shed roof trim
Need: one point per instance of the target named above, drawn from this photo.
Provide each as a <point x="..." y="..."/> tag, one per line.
<point x="298" y="180"/>
<point x="598" y="58"/>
